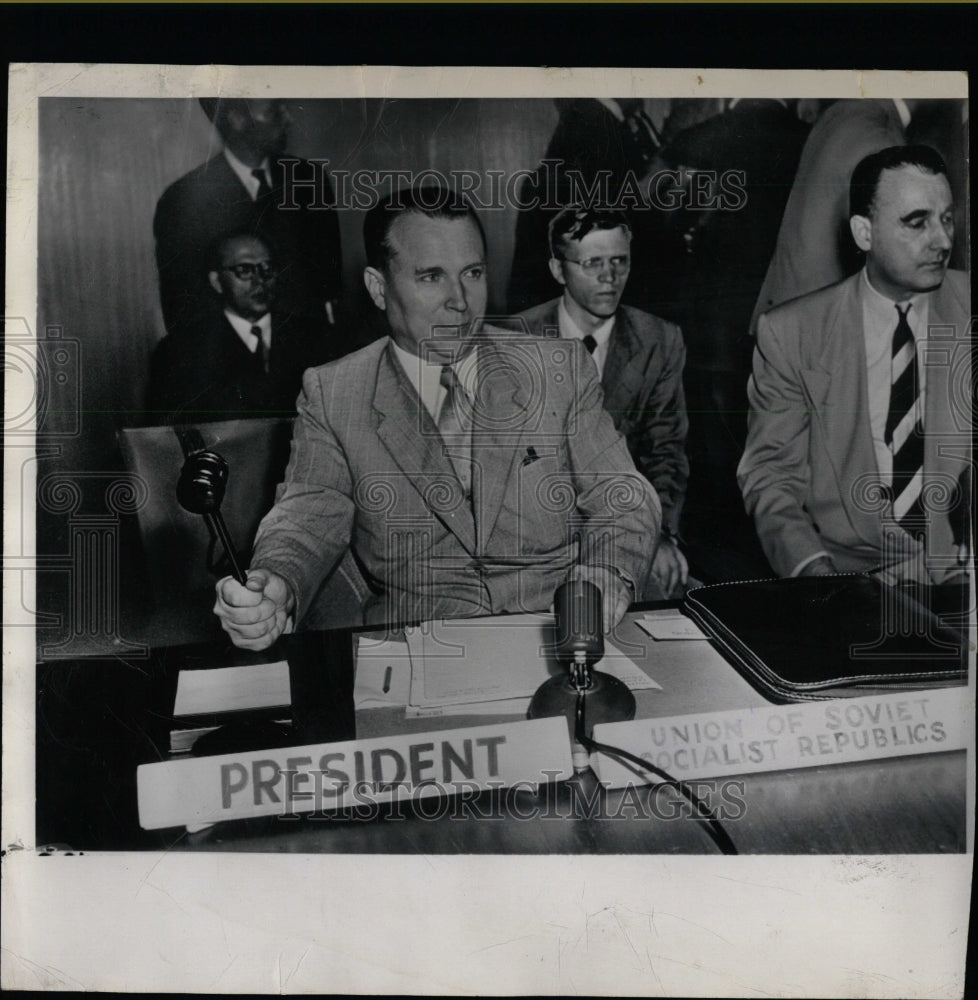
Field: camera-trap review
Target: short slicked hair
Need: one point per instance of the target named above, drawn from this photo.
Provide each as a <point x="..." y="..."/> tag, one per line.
<point x="214" y="253"/>
<point x="575" y="222"/>
<point x="431" y="200"/>
<point x="866" y="176"/>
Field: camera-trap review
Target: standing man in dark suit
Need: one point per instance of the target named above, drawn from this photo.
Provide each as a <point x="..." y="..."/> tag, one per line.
<point x="639" y="358"/>
<point x="244" y="358"/>
<point x="251" y="186"/>
<point x="858" y="454"/>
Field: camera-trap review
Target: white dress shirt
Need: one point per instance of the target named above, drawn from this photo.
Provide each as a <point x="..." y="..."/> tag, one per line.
<point x="426" y="377"/>
<point x="242" y="327"/>
<point x="244" y="173"/>
<point x="569" y="330"/>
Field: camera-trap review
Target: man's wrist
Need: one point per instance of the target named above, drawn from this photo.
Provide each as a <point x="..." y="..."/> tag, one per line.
<point x="820" y="566"/>
<point x="802" y="568"/>
<point x="586" y="571"/>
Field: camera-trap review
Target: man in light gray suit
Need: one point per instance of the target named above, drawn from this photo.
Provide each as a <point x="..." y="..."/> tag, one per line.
<point x="638" y="357"/>
<point x="858" y="449"/>
<point x="470" y="472"/>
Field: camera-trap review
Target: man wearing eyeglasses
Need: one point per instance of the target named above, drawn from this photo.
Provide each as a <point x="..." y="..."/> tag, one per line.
<point x="251" y="185"/>
<point x="244" y="359"/>
<point x="639" y="358"/>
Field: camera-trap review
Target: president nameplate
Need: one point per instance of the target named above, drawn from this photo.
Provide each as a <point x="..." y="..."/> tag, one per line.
<point x="317" y="778"/>
<point x="782" y="737"/>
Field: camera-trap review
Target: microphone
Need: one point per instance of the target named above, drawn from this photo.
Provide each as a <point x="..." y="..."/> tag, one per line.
<point x="200" y="490"/>
<point x="580" y="641"/>
<point x="579" y="645"/>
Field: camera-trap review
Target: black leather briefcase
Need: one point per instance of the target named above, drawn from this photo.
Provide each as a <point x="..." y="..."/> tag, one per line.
<point x="825" y="637"/>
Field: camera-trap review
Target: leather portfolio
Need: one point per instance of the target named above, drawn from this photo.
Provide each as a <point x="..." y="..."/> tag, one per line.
<point x="814" y="638"/>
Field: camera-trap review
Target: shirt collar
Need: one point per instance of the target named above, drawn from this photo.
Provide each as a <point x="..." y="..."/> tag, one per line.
<point x="426" y="378"/>
<point x="883" y="309"/>
<point x="243" y="327"/>
<point x="570" y="329"/>
<point x="243" y="172"/>
<point x="902" y="110"/>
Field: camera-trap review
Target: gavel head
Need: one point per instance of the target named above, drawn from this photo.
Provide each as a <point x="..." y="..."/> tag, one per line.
<point x="202" y="483"/>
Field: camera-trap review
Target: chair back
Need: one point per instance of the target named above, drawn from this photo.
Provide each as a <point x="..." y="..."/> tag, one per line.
<point x="177" y="543"/>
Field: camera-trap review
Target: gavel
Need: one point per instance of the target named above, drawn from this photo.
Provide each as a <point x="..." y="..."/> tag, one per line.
<point x="200" y="490"/>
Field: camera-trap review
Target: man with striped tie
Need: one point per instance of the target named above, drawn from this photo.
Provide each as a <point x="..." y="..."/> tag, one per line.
<point x="858" y="451"/>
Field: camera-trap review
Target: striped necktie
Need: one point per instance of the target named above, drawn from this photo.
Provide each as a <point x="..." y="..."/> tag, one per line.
<point x="455" y="427"/>
<point x="904" y="432"/>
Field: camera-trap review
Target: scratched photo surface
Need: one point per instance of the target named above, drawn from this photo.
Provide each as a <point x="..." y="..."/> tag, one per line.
<point x="157" y="271"/>
<point x="131" y="195"/>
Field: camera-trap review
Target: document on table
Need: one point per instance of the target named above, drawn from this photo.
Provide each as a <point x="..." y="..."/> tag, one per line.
<point x="493" y="665"/>
<point x="670" y="625"/>
<point x="383" y="673"/>
<point x="232" y="689"/>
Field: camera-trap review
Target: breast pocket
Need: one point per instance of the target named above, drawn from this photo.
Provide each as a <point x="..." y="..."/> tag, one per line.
<point x="545" y="499"/>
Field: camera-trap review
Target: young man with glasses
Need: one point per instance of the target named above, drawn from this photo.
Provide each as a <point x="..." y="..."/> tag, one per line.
<point x="244" y="358"/>
<point x="639" y="359"/>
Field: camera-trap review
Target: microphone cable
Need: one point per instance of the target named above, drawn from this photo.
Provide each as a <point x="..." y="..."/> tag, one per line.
<point x="705" y="815"/>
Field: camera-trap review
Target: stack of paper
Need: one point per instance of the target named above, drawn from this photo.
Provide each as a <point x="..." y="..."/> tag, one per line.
<point x="208" y="698"/>
<point x="493" y="666"/>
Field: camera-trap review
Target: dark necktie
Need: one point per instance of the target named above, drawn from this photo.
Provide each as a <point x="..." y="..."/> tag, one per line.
<point x="263" y="189"/>
<point x="904" y="432"/>
<point x="590" y="343"/>
<point x="455" y="427"/>
<point x="262" y="350"/>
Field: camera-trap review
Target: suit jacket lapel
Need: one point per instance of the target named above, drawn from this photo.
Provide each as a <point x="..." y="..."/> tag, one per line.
<point x="496" y="450"/>
<point x="239" y="358"/>
<point x="227" y="183"/>
<point x="943" y="358"/>
<point x="415" y="448"/>
<point x="549" y="324"/>
<point x="845" y="417"/>
<point x="947" y="342"/>
<point x="624" y="369"/>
